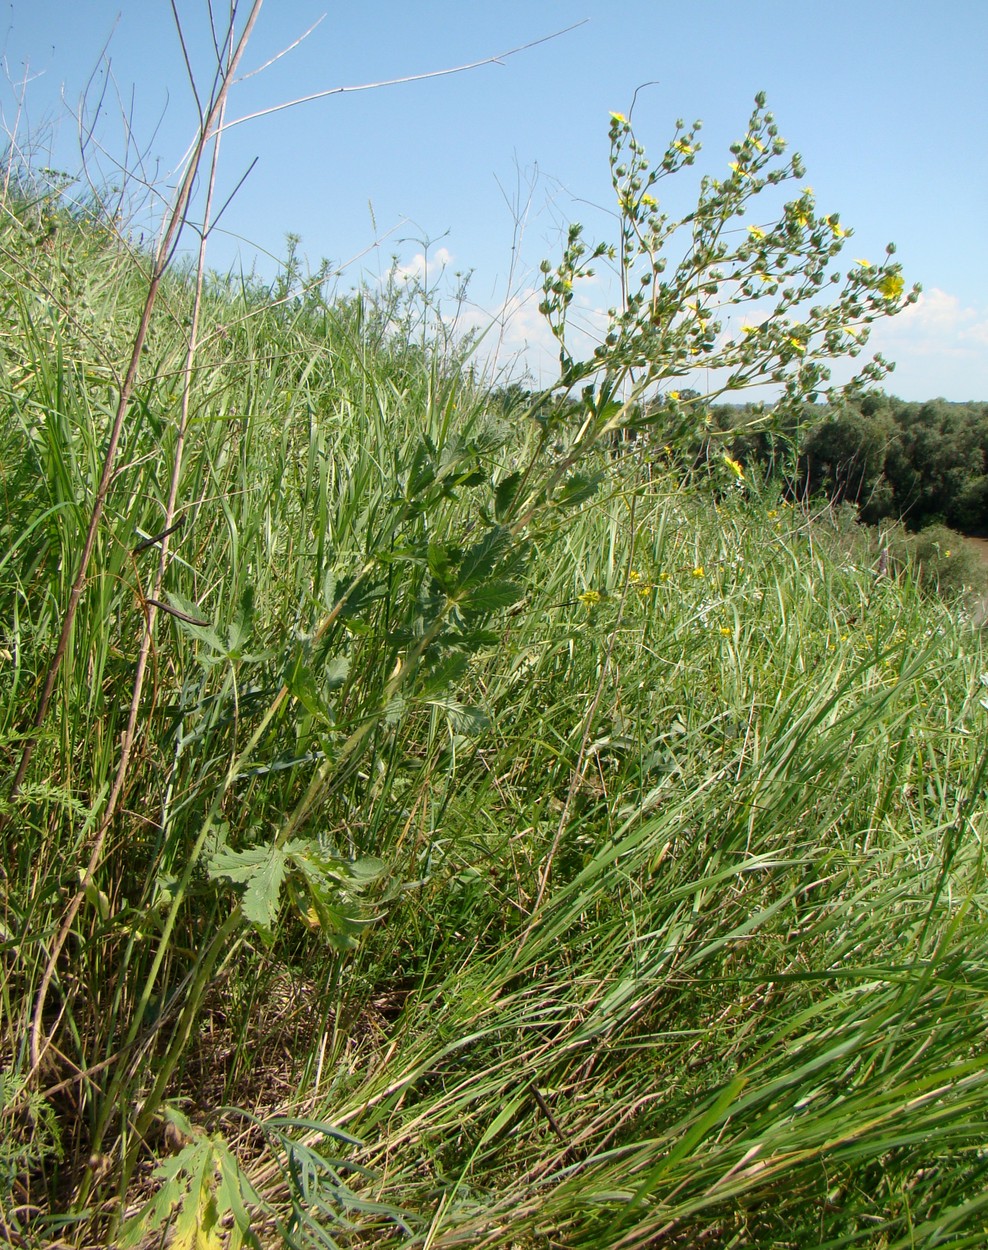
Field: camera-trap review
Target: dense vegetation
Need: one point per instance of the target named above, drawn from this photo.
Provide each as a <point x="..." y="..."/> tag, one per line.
<point x="919" y="463"/>
<point x="507" y="846"/>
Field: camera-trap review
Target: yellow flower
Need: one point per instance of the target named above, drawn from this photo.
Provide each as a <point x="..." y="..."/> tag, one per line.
<point x="772" y="514"/>
<point x="650" y="201"/>
<point x="734" y="466"/>
<point x="589" y="598"/>
<point x="891" y="286"/>
<point x="663" y="577"/>
<point x="619" y="118"/>
<point x="837" y="228"/>
<point x="699" y="571"/>
<point x="800" y="347"/>
<point x="756" y="232"/>
<point x="674" y="396"/>
<point x="947" y="554"/>
<point x="725" y="632"/>
<point x="634" y="576"/>
<point x="865" y="264"/>
<point x="682" y="146"/>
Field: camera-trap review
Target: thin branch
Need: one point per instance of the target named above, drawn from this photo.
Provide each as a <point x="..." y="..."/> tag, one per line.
<point x="284" y="51"/>
<point x="497" y="59"/>
<point x="188" y="61"/>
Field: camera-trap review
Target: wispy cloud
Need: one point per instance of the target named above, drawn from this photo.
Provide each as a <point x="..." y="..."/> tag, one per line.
<point x="938" y="324"/>
<point x="939" y="346"/>
<point x="422" y="267"/>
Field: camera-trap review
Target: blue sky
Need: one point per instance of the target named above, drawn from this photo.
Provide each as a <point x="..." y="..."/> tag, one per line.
<point x="886" y="100"/>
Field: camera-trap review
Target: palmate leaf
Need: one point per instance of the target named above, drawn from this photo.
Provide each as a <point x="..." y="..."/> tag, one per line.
<point x="263" y="870"/>
<point x="207" y="1185"/>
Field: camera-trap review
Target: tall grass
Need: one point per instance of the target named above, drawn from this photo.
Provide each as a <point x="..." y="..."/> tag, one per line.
<point x="499" y="861"/>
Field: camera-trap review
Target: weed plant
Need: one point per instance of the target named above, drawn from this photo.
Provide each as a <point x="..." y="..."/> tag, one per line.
<point x="515" y="848"/>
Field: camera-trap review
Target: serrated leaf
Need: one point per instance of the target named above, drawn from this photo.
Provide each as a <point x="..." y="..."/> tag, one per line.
<point x="302" y="685"/>
<point x="202" y="633"/>
<point x="441" y="558"/>
<point x="262" y="869"/>
<point x="423" y="472"/>
<point x="490" y="596"/>
<point x="505" y="494"/>
<point x="483" y="557"/>
<point x="444" y="674"/>
<point x="470" y="721"/>
<point x="579" y="488"/>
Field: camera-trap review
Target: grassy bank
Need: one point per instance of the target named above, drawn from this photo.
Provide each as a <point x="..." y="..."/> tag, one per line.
<point x="514" y="847"/>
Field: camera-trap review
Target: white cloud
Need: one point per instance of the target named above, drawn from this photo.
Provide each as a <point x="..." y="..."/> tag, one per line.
<point x="425" y="268"/>
<point x="518" y="338"/>
<point x="937" y="324"/>
<point x="938" y="345"/>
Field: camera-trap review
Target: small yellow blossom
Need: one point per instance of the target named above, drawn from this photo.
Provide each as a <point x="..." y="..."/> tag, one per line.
<point x="699" y="571"/>
<point x="725" y="632"/>
<point x="650" y="201"/>
<point x="619" y="118"/>
<point x="589" y="598"/>
<point x="800" y="347"/>
<point x="756" y="232"/>
<point x="947" y="554"/>
<point x="772" y="514"/>
<point x="634" y="576"/>
<point x="674" y="396"/>
<point x="663" y="577"/>
<point x="734" y="466"/>
<point x="891" y="286"/>
<point x="865" y="264"/>
<point x="685" y="148"/>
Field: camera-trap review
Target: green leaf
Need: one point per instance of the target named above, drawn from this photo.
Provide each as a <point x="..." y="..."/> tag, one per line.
<point x="442" y="558"/>
<point x="483" y="557"/>
<point x="470" y="721"/>
<point x="578" y="489"/>
<point x="491" y="596"/>
<point x="505" y="494"/>
<point x="444" y="674"/>
<point x="262" y="869"/>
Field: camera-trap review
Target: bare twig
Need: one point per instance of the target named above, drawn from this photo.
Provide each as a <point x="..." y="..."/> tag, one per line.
<point x="497" y="59"/>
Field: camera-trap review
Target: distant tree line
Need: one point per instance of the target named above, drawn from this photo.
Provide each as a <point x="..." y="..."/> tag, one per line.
<point x="921" y="463"/>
